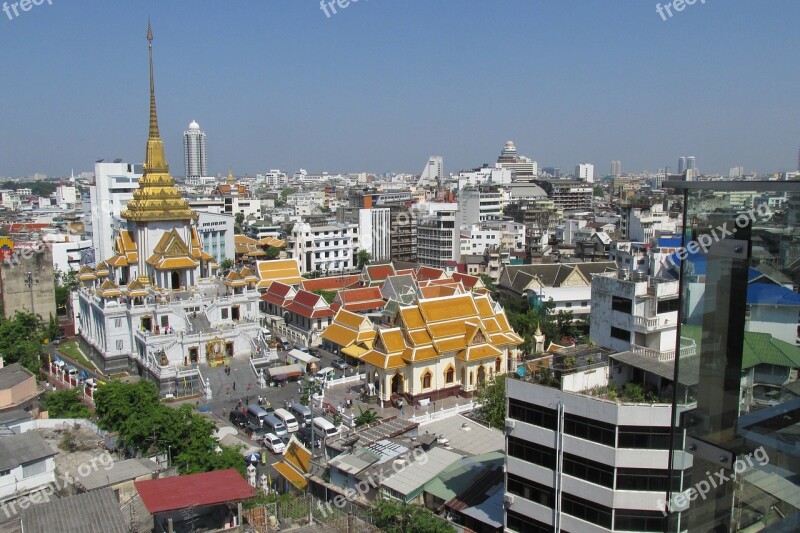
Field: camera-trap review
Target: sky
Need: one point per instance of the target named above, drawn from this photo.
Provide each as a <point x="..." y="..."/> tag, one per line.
<point x="381" y="85"/>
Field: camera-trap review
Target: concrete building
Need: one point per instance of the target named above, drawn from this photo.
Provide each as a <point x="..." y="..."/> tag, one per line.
<point x="438" y="235"/>
<point x="568" y="194"/>
<point x="67" y="196"/>
<point x="17" y="389"/>
<point x="616" y="168"/>
<point x="194" y="152"/>
<point x="70" y="252"/>
<point x="26" y="281"/>
<point x="374" y="229"/>
<point x="584" y="172"/>
<point x="113" y="188"/>
<point x="327" y="247"/>
<point x="27" y="464"/>
<point x="522" y="168"/>
<point x="217" y="233"/>
<point x="485" y="176"/>
<point x="479" y="205"/>
<point x="433" y="173"/>
<point x="643" y="225"/>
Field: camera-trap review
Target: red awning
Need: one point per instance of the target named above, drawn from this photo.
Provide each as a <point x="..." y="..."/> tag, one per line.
<point x="194" y="490"/>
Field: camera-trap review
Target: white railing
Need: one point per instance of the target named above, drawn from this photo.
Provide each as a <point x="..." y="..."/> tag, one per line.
<point x="61" y="424"/>
<point x="344" y="380"/>
<point x="688" y="348"/>
<point x="444" y="413"/>
<point x="654" y="323"/>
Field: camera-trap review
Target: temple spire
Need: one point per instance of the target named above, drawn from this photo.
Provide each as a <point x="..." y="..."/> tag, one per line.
<point x="153" y="117"/>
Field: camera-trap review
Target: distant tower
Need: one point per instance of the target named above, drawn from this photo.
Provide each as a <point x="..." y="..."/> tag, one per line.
<point x="690" y="164"/>
<point x="681" y="165"/>
<point x="798" y="159"/>
<point x="616" y="168"/>
<point x="194" y="151"/>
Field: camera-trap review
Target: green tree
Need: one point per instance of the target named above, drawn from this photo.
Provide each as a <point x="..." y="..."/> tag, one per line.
<point x="328" y="295"/>
<point x="598" y="191"/>
<point x="489" y="283"/>
<point x="65" y="404"/>
<point x="564" y="322"/>
<point x="225" y="266"/>
<point x="272" y="252"/>
<point x="367" y="417"/>
<point x="397" y="517"/>
<point x="363" y="258"/>
<point x="238" y="218"/>
<point x="21" y="340"/>
<point x="493" y="402"/>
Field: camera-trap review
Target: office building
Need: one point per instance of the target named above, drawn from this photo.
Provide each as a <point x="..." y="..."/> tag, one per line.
<point x="523" y="168"/>
<point x="374" y="229"/>
<point x="113" y="188"/>
<point x="194" y="152"/>
<point x="553" y="172"/>
<point x="691" y="165"/>
<point x="479" y="205"/>
<point x="736" y="172"/>
<point x="584" y="172"/>
<point x="324" y="246"/>
<point x="567" y="194"/>
<point x="438" y="236"/>
<point x="616" y="168"/>
<point x="681" y="165"/>
<point x="433" y="173"/>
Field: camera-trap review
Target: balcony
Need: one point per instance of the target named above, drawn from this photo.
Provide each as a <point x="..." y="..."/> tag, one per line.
<point x="648" y="325"/>
<point x="688" y="348"/>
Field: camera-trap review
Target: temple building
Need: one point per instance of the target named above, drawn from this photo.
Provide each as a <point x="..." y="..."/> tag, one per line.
<point x="157" y="307"/>
<point x="438" y="347"/>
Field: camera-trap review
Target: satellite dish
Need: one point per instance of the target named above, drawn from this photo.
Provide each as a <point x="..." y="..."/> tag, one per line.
<point x="99" y="160"/>
<point x="118" y="160"/>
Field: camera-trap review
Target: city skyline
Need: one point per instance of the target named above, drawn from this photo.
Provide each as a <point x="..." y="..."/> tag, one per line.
<point x="289" y="102"/>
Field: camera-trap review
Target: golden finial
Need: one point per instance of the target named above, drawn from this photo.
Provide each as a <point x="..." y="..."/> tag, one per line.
<point x="231" y="179"/>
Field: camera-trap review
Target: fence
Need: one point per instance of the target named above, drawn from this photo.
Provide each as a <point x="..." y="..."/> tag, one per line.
<point x="345" y="379"/>
<point x="445" y="413"/>
<point x="61" y="424"/>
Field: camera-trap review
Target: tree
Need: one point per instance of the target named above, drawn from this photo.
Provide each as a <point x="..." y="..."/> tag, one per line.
<point x="399" y="517"/>
<point x="328" y="295"/>
<point x="488" y="282"/>
<point x="65" y="404"/>
<point x="225" y="266"/>
<point x="239" y="219"/>
<point x="493" y="402"/>
<point x="272" y="252"/>
<point x="564" y="322"/>
<point x="367" y="417"/>
<point x="21" y="340"/>
<point x="363" y="258"/>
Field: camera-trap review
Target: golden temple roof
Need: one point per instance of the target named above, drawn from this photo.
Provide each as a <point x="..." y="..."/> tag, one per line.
<point x="157" y="198"/>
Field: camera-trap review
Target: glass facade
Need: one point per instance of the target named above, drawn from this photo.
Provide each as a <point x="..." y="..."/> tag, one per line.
<point x="737" y="407"/>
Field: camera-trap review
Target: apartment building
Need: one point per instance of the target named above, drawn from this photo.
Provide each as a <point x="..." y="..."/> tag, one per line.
<point x="438" y="236"/>
<point x="324" y="247"/>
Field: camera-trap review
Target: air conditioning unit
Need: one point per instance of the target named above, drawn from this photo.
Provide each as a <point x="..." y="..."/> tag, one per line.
<point x="511" y="423"/>
<point x="508" y="499"/>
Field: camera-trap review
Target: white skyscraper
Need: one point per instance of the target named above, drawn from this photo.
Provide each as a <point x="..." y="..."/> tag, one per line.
<point x="584" y="171"/>
<point x="194" y="151"/>
<point x="616" y="168"/>
<point x="434" y="170"/>
<point x="690" y="164"/>
<point x="113" y="187"/>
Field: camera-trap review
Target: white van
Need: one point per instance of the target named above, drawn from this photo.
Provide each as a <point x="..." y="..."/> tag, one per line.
<point x="273" y="443"/>
<point x="325" y="374"/>
<point x="287" y="418"/>
<point x="323" y="428"/>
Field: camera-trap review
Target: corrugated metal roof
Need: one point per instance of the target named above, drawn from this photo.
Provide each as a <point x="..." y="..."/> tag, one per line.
<point x="91" y="512"/>
<point x="25" y="448"/>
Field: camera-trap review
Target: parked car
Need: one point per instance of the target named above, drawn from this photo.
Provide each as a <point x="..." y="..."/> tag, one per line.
<point x="273" y="443"/>
<point x="59" y="340"/>
<point x="239" y="419"/>
<point x="339" y="363"/>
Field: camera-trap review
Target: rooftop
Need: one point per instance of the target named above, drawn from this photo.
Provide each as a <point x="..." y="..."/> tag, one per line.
<point x="121" y="471"/>
<point x="13" y="375"/>
<point x="413" y="476"/>
<point x="194" y="490"/>
<point x="24" y="448"/>
<point x="465" y="435"/>
<point x="89" y="512"/>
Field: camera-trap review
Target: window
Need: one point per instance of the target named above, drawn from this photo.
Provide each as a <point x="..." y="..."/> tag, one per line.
<point x="621" y="334"/>
<point x="531" y="452"/>
<point x="589" y="429"/>
<point x="589" y="470"/>
<point x="119" y="344"/>
<point x="646" y="479"/>
<point x="530" y="490"/>
<point x="642" y="437"/>
<point x="117" y="322"/>
<point x="586" y="510"/>
<point x="518" y="522"/>
<point x="630" y="520"/>
<point x="623" y="305"/>
<point x="668" y="306"/>
<point x="5" y="473"/>
<point x="498" y="364"/>
<point x="450" y="375"/>
<point x="426" y="380"/>
<point x="224" y="313"/>
<point x="34" y="469"/>
<point x="532" y="414"/>
<point x="164" y="321"/>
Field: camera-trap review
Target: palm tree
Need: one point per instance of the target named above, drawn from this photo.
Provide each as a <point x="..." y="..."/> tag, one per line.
<point x="366" y="417"/>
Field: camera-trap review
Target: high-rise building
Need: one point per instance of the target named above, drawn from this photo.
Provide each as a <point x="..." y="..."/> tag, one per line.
<point x="438" y="236"/>
<point x="478" y="205"/>
<point x="736" y="172"/>
<point x="690" y="164"/>
<point x="585" y="172"/>
<point x="194" y="151"/>
<point x="523" y="168"/>
<point x="798" y="159"/>
<point x="616" y="168"/>
<point x="113" y="188"/>
<point x="681" y="165"/>
<point x="433" y="172"/>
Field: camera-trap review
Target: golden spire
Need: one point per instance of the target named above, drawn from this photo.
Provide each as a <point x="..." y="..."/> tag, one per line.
<point x="231" y="179"/>
<point x="156" y="198"/>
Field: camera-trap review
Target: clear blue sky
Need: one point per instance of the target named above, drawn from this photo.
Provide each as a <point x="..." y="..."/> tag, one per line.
<point x="383" y="84"/>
